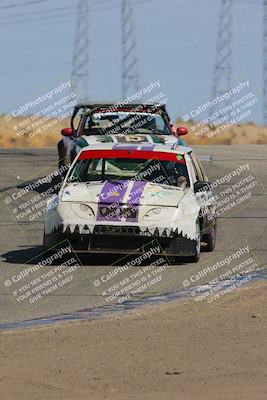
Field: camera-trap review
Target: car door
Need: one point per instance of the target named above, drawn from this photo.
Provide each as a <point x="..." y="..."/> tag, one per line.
<point x="205" y="197"/>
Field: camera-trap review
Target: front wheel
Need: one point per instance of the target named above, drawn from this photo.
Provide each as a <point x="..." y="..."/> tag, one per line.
<point x="210" y="239"/>
<point x="63" y="158"/>
<point x="197" y="245"/>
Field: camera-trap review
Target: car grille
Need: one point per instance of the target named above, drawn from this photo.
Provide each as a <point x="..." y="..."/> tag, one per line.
<point x="116" y="230"/>
<point x="111" y="212"/>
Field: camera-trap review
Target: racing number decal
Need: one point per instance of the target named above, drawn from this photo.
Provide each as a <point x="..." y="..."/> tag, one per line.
<point x="132" y="138"/>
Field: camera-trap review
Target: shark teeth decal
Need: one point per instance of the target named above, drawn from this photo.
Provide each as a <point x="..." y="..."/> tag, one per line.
<point x="86" y="229"/>
<point x="72" y="227"/>
<point x="75" y="229"/>
<point x="67" y="230"/>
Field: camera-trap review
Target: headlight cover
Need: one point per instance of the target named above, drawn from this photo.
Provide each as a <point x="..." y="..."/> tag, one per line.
<point x="83" y="210"/>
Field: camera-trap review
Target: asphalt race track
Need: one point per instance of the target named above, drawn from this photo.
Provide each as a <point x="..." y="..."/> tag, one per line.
<point x="242" y="225"/>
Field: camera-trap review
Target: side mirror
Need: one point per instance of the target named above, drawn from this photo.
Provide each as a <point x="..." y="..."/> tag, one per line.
<point x="67" y="132"/>
<point x="181" y="131"/>
<point x="202" y="186"/>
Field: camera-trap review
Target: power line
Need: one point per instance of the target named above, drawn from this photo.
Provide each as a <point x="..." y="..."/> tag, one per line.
<point x="47" y="18"/>
<point x="23" y="4"/>
<point x="40" y="12"/>
<point x="52" y="11"/>
<point x="259" y="3"/>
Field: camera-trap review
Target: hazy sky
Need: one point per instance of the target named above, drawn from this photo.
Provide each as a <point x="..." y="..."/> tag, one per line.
<point x="176" y="44"/>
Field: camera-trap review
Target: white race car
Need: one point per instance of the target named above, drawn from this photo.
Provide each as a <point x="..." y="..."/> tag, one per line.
<point x="118" y="197"/>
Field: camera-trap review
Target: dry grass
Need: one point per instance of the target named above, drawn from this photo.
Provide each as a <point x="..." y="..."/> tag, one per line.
<point x="249" y="133"/>
<point x="12" y="135"/>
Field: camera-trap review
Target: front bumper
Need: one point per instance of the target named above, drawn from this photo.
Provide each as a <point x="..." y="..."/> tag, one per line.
<point x="121" y="240"/>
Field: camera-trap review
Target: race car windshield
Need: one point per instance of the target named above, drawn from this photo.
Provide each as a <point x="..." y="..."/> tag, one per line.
<point x="171" y="172"/>
<point x="110" y="123"/>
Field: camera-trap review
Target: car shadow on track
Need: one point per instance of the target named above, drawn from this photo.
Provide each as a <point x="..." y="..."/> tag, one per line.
<point x="50" y="187"/>
<point x="35" y="254"/>
<point x="27" y="255"/>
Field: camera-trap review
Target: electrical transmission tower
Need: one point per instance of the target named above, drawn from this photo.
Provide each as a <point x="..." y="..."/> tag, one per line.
<point x="265" y="62"/>
<point x="80" y="62"/>
<point x="129" y="62"/>
<point x="222" y="77"/>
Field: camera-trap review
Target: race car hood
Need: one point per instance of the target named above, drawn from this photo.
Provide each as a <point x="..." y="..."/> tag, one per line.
<point x="122" y="192"/>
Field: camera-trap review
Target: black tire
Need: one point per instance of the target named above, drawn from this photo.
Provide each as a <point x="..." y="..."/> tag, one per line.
<point x="63" y="159"/>
<point x="46" y="252"/>
<point x="196" y="256"/>
<point x="210" y="239"/>
<point x="47" y="247"/>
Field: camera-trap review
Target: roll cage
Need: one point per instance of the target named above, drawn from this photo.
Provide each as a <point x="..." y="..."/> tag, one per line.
<point x="83" y="110"/>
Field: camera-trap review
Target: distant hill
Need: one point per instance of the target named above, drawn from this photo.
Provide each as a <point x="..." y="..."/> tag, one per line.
<point x="248" y="133"/>
<point x="23" y="132"/>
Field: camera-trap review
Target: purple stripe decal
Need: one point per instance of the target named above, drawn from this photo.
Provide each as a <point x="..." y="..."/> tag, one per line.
<point x="148" y="147"/>
<point x="123" y="147"/>
<point x="110" y="201"/>
<point x="134" y="199"/>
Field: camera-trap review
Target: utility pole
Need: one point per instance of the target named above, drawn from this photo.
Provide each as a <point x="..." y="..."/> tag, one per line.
<point x="222" y="76"/>
<point x="129" y="61"/>
<point x="80" y="74"/>
<point x="265" y="62"/>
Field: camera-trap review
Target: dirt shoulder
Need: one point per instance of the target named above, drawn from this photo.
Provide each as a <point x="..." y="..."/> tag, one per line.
<point x="175" y="351"/>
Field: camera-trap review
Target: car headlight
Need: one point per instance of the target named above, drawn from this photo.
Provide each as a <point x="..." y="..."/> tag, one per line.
<point x="154" y="214"/>
<point x="83" y="210"/>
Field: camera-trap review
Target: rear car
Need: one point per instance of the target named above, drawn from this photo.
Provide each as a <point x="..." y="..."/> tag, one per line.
<point x="95" y="123"/>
